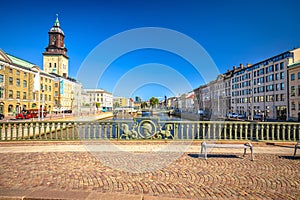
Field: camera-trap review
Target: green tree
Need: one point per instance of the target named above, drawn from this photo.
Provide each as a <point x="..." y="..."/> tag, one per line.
<point x="144" y="104"/>
<point x="116" y="105"/>
<point x="154" y="101"/>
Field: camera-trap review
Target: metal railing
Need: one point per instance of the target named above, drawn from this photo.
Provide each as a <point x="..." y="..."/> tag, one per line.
<point x="149" y="129"/>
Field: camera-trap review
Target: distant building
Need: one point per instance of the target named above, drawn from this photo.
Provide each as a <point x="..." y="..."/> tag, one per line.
<point x="99" y="99"/>
<point x="121" y="102"/>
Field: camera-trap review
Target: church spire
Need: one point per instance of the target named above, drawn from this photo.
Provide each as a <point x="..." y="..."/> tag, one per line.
<point x="56" y="23"/>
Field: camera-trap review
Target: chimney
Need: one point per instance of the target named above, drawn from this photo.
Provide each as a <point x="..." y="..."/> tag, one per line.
<point x="241" y="66"/>
<point x="248" y="65"/>
<point x="234" y="67"/>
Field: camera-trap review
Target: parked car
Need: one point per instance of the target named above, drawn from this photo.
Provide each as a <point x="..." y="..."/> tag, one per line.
<point x="1" y="116"/>
<point x="232" y="115"/>
<point x="258" y="117"/>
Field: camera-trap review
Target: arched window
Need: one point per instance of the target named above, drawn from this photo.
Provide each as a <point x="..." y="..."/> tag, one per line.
<point x="33" y="105"/>
<point x="10" y="108"/>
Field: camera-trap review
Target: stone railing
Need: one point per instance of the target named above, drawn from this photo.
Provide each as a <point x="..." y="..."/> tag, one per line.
<point x="150" y="129"/>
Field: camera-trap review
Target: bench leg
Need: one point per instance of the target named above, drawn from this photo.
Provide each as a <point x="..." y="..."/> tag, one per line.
<point x="252" y="155"/>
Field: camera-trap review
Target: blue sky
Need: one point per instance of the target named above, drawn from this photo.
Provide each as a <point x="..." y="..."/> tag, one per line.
<point x="231" y="31"/>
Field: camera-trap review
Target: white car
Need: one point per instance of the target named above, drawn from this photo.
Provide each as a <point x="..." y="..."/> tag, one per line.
<point x="232" y="115"/>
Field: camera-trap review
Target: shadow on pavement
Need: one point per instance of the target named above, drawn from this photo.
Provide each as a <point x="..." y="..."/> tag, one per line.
<point x="214" y="156"/>
<point x="290" y="157"/>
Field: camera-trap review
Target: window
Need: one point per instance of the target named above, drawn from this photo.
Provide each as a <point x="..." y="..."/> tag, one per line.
<point x="277" y="87"/>
<point x="282" y="86"/>
<point x="282" y="97"/>
<point x="24" y="83"/>
<point x="298" y="75"/>
<point x="18" y="94"/>
<point x="25" y="74"/>
<point x="282" y="75"/>
<point x="18" y="72"/>
<point x="24" y="95"/>
<point x="292" y="91"/>
<point x="50" y="65"/>
<point x="10" y="108"/>
<point x="56" y="85"/>
<point x="49" y="88"/>
<point x="298" y="106"/>
<point x="293" y="106"/>
<point x="18" y="82"/>
<point x="50" y="98"/>
<point x="292" y="77"/>
<point x="11" y="80"/>
<point x="271" y="77"/>
<point x="276" y="67"/>
<point x="1" y="78"/>
<point x="1" y="67"/>
<point x="271" y="68"/>
<point x="10" y="94"/>
<point x="281" y="65"/>
<point x="1" y="92"/>
<point x="276" y="76"/>
<point x="54" y="65"/>
<point x="298" y="90"/>
<point x="45" y="97"/>
<point x="10" y="70"/>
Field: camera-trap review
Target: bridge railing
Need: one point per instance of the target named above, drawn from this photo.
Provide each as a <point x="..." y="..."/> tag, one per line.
<point x="152" y="130"/>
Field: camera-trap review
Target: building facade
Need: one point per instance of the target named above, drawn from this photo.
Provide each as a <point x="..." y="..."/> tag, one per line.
<point x="99" y="99"/>
<point x="262" y="88"/>
<point x="294" y="91"/>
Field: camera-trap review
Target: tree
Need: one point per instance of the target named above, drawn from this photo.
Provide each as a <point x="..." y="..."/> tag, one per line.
<point x="144" y="104"/>
<point x="154" y="101"/>
<point x="116" y="105"/>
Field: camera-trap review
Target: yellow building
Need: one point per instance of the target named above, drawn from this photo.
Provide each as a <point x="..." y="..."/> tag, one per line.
<point x="17" y="85"/>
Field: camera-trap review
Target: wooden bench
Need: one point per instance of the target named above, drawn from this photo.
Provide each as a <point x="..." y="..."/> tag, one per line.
<point x="297" y="146"/>
<point x="205" y="146"/>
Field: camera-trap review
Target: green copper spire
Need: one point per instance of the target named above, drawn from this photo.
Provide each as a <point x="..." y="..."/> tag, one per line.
<point x="56" y="23"/>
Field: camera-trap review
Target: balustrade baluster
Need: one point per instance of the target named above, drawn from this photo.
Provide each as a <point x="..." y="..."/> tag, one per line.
<point x="278" y="132"/>
<point x="256" y="131"/>
<point x="262" y="132"/>
<point x="289" y="132"/>
<point x="283" y="132"/>
<point x="273" y="131"/>
<point x="241" y="131"/>
<point x="225" y="131"/>
<point x="214" y="131"/>
<point x="220" y="130"/>
<point x="230" y="131"/>
<point x="45" y="129"/>
<point x="203" y="131"/>
<point x="105" y="131"/>
<point x="294" y="132"/>
<point x="208" y="131"/>
<point x="267" y="131"/>
<point x="176" y="131"/>
<point x="193" y="132"/>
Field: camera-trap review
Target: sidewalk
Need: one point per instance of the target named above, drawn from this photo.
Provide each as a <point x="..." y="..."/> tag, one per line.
<point x="66" y="170"/>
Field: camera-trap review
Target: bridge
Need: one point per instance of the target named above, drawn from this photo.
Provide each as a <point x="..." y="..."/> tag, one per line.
<point x="146" y="158"/>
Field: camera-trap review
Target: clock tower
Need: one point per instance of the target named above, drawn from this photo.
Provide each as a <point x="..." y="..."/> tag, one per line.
<point x="55" y="59"/>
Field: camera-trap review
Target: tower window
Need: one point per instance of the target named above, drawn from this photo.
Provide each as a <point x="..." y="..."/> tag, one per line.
<point x="54" y="65"/>
<point x="50" y="65"/>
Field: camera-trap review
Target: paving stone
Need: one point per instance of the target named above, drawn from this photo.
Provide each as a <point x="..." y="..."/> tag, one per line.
<point x="81" y="175"/>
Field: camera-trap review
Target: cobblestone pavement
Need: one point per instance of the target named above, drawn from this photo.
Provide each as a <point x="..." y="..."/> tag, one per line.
<point x="81" y="175"/>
